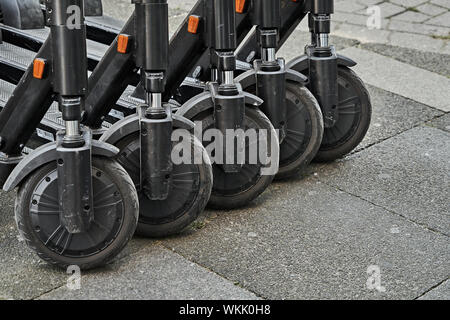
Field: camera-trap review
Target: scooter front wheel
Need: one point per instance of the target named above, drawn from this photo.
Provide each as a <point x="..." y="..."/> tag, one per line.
<point x="235" y="190"/>
<point x="355" y="113"/>
<point x="304" y="131"/>
<point x="190" y="189"/>
<point x="115" y="216"/>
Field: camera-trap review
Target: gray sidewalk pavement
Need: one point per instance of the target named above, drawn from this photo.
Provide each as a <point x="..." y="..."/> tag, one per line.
<point x="385" y="207"/>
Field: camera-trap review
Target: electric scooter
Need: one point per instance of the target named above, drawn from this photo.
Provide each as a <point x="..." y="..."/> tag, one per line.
<point x="189" y="56"/>
<point x="187" y="185"/>
<point x="226" y="107"/>
<point x="75" y="205"/>
<point x="342" y="95"/>
<point x="289" y="105"/>
<point x="172" y="195"/>
<point x="345" y="125"/>
<point x="114" y="74"/>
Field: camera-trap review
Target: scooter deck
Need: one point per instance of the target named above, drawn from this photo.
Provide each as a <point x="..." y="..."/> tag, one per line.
<point x="49" y="125"/>
<point x="105" y="24"/>
<point x="33" y="39"/>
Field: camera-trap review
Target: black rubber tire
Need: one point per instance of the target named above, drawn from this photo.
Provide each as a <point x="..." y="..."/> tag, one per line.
<point x="128" y="194"/>
<point x="355" y="132"/>
<point x="192" y="214"/>
<point x="300" y="99"/>
<point x="242" y="198"/>
<point x="303" y="112"/>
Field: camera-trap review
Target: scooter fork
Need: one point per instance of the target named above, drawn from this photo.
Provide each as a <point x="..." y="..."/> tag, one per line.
<point x="323" y="60"/>
<point x="68" y="33"/>
<point x="152" y="33"/>
<point x="229" y="102"/>
<point x="270" y="71"/>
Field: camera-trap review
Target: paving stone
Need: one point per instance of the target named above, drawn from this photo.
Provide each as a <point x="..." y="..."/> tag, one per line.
<point x="153" y="273"/>
<point x="348" y="6"/>
<point x="360" y="19"/>
<point x="362" y="33"/>
<point x="431" y="9"/>
<point x="175" y="23"/>
<point x="290" y="243"/>
<point x="388" y="9"/>
<point x="441" y="292"/>
<point x="183" y="6"/>
<point x="351" y="18"/>
<point x="370" y="2"/>
<point x="411" y="16"/>
<point x="393" y="114"/>
<point x="408" y="174"/>
<point x="442" y="122"/>
<point x="446" y="49"/>
<point x="408" y="3"/>
<point x="122" y="9"/>
<point x="442" y="20"/>
<point x="442" y="3"/>
<point x="312" y="241"/>
<point x="118" y="9"/>
<point x="426" y="29"/>
<point x="417" y="41"/>
<point x="24" y="275"/>
<point x="400" y="78"/>
<point x="342" y="43"/>
<point x="431" y="61"/>
<point x="7" y="211"/>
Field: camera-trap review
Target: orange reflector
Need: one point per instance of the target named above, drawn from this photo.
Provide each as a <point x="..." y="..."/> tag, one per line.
<point x="122" y="43"/>
<point x="194" y="22"/>
<point x="38" y="68"/>
<point x="240" y="5"/>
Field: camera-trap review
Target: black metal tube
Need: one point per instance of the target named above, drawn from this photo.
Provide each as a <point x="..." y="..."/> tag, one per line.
<point x="26" y="108"/>
<point x="68" y="31"/>
<point x="271" y="87"/>
<point x="323" y="71"/>
<point x="109" y="80"/>
<point x="156" y="162"/>
<point x="322" y="7"/>
<point x="323" y="76"/>
<point x="66" y="20"/>
<point x="225" y="25"/>
<point x="152" y="17"/>
<point x="267" y="14"/>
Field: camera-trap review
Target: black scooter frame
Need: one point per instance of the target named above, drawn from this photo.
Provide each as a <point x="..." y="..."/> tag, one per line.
<point x="62" y="75"/>
<point x="188" y="54"/>
<point x="269" y="75"/>
<point x="190" y="57"/>
<point x="156" y="124"/>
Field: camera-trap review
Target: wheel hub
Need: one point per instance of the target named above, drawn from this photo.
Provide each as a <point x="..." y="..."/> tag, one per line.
<point x="45" y="220"/>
